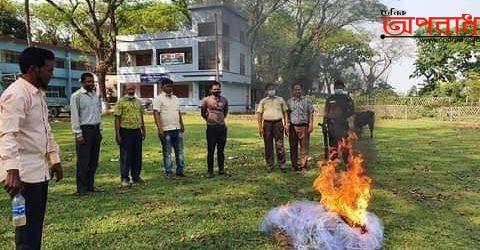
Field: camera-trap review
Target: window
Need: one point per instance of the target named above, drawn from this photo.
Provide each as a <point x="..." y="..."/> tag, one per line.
<point x="146" y="91"/>
<point x="75" y="88"/>
<point x="56" y="92"/>
<point x="79" y="65"/>
<point x="9" y="56"/>
<point x="143" y="59"/>
<point x="226" y="55"/>
<point x="163" y="53"/>
<point x="206" y="29"/>
<point x="225" y="30"/>
<point x="181" y="91"/>
<point x="206" y="55"/>
<point x="242" y="37"/>
<point x="136" y="58"/>
<point x="59" y="63"/>
<point x="242" y="64"/>
<point x="203" y="89"/>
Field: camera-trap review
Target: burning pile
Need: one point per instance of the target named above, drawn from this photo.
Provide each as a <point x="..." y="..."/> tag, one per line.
<point x="340" y="220"/>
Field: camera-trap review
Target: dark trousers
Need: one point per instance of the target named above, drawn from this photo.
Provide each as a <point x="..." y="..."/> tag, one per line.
<point x="87" y="157"/>
<point x="30" y="236"/>
<point x="273" y="132"/>
<point x="130" y="154"/>
<point x="299" y="136"/>
<point x="216" y="138"/>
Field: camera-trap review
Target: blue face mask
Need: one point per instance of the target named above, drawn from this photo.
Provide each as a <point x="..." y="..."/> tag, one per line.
<point x="339" y="91"/>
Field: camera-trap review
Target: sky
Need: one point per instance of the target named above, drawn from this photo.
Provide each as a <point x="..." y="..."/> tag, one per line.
<point x="401" y="70"/>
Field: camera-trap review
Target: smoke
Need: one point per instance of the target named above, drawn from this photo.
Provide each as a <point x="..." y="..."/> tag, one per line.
<point x="309" y="226"/>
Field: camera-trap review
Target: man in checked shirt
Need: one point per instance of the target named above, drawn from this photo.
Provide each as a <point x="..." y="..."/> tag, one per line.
<point x="27" y="144"/>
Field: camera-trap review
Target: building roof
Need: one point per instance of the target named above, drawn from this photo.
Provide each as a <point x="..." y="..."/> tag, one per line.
<point x="4" y="38"/>
<point x="215" y="6"/>
<point x="164" y="35"/>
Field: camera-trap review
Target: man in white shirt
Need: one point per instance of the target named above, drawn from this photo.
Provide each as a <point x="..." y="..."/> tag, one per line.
<point x="166" y="111"/>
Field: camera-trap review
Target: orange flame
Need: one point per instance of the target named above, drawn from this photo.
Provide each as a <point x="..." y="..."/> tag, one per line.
<point x="345" y="192"/>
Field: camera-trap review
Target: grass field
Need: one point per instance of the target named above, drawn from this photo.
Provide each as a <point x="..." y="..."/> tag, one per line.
<point x="426" y="190"/>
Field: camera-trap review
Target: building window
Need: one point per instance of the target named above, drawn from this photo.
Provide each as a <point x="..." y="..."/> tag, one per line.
<point x="136" y="58"/>
<point x="59" y="63"/>
<point x="206" y="55"/>
<point x="226" y="55"/>
<point x="56" y="92"/>
<point x="206" y="29"/>
<point x="181" y="91"/>
<point x="146" y="91"/>
<point x="203" y="89"/>
<point x="79" y="65"/>
<point x="242" y="37"/>
<point x="174" y="56"/>
<point x="74" y="89"/>
<point x="242" y="64"/>
<point x="10" y="56"/>
<point x="225" y="30"/>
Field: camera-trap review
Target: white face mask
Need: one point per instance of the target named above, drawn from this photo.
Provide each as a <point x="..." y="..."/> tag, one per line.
<point x="271" y="92"/>
<point x="339" y="91"/>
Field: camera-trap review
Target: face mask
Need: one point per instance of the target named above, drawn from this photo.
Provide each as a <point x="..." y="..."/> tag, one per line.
<point x="271" y="92"/>
<point x="217" y="94"/>
<point x="132" y="96"/>
<point x="339" y="91"/>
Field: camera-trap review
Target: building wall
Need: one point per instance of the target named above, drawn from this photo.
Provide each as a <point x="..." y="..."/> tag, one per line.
<point x="62" y="77"/>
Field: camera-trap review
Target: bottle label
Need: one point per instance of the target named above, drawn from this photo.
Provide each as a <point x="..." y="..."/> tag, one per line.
<point x="18" y="210"/>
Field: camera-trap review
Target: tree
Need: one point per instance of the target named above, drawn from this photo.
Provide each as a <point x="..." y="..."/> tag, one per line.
<point x="413" y="91"/>
<point x="27" y="23"/>
<point x="443" y="61"/>
<point x="149" y="17"/>
<point x="10" y="21"/>
<point x="96" y="25"/>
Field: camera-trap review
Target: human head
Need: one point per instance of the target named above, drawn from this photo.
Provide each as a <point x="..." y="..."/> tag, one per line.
<point x="36" y="65"/>
<point x="88" y="81"/>
<point x="215" y="88"/>
<point x="297" y="90"/>
<point x="270" y="88"/>
<point x="167" y="86"/>
<point x="339" y="86"/>
<point x="130" y="89"/>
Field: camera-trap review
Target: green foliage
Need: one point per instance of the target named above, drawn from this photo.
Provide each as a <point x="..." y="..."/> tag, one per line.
<point x="472" y="83"/>
<point x="10" y="20"/>
<point x="149" y="17"/>
<point x="440" y="60"/>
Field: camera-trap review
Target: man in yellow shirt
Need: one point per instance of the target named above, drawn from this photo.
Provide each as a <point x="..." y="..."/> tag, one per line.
<point x="272" y="124"/>
<point x="130" y="131"/>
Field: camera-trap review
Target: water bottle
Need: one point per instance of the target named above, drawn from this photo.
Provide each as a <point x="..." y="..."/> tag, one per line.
<point x="18" y="211"/>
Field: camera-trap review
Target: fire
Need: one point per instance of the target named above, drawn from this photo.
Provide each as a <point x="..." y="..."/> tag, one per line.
<point x="345" y="192"/>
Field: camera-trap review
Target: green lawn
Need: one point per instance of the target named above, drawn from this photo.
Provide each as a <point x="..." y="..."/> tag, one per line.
<point x="426" y="191"/>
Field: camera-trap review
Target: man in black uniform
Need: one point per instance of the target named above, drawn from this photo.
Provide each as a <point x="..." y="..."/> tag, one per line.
<point x="338" y="108"/>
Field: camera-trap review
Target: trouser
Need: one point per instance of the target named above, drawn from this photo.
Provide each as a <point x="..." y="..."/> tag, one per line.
<point x="87" y="157"/>
<point x="216" y="138"/>
<point x="273" y="133"/>
<point x="299" y="136"/>
<point x="337" y="131"/>
<point x="30" y="236"/>
<point x="130" y="154"/>
<point x="173" y="138"/>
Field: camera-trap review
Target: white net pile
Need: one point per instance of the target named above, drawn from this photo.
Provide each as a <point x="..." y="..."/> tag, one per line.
<point x="309" y="226"/>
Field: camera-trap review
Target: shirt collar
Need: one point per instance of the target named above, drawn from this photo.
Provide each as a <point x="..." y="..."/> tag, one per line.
<point x="30" y="88"/>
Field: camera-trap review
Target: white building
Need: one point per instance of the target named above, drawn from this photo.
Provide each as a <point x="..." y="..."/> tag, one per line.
<point x="188" y="58"/>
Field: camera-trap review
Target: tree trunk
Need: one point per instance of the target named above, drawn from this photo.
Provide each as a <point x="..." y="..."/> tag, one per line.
<point x="27" y="23"/>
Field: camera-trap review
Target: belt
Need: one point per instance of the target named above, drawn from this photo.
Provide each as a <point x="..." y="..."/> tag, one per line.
<point x="90" y="126"/>
<point x="272" y="121"/>
<point x="299" y="125"/>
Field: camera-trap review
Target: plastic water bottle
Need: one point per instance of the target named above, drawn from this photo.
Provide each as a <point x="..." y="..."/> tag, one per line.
<point x="18" y="211"/>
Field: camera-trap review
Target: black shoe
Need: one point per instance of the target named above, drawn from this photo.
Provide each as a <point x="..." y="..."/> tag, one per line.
<point x="180" y="174"/>
<point x="167" y="174"/>
<point x="139" y="181"/>
<point x="221" y="172"/>
<point x="95" y="190"/>
<point x="81" y="194"/>
<point x="284" y="170"/>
